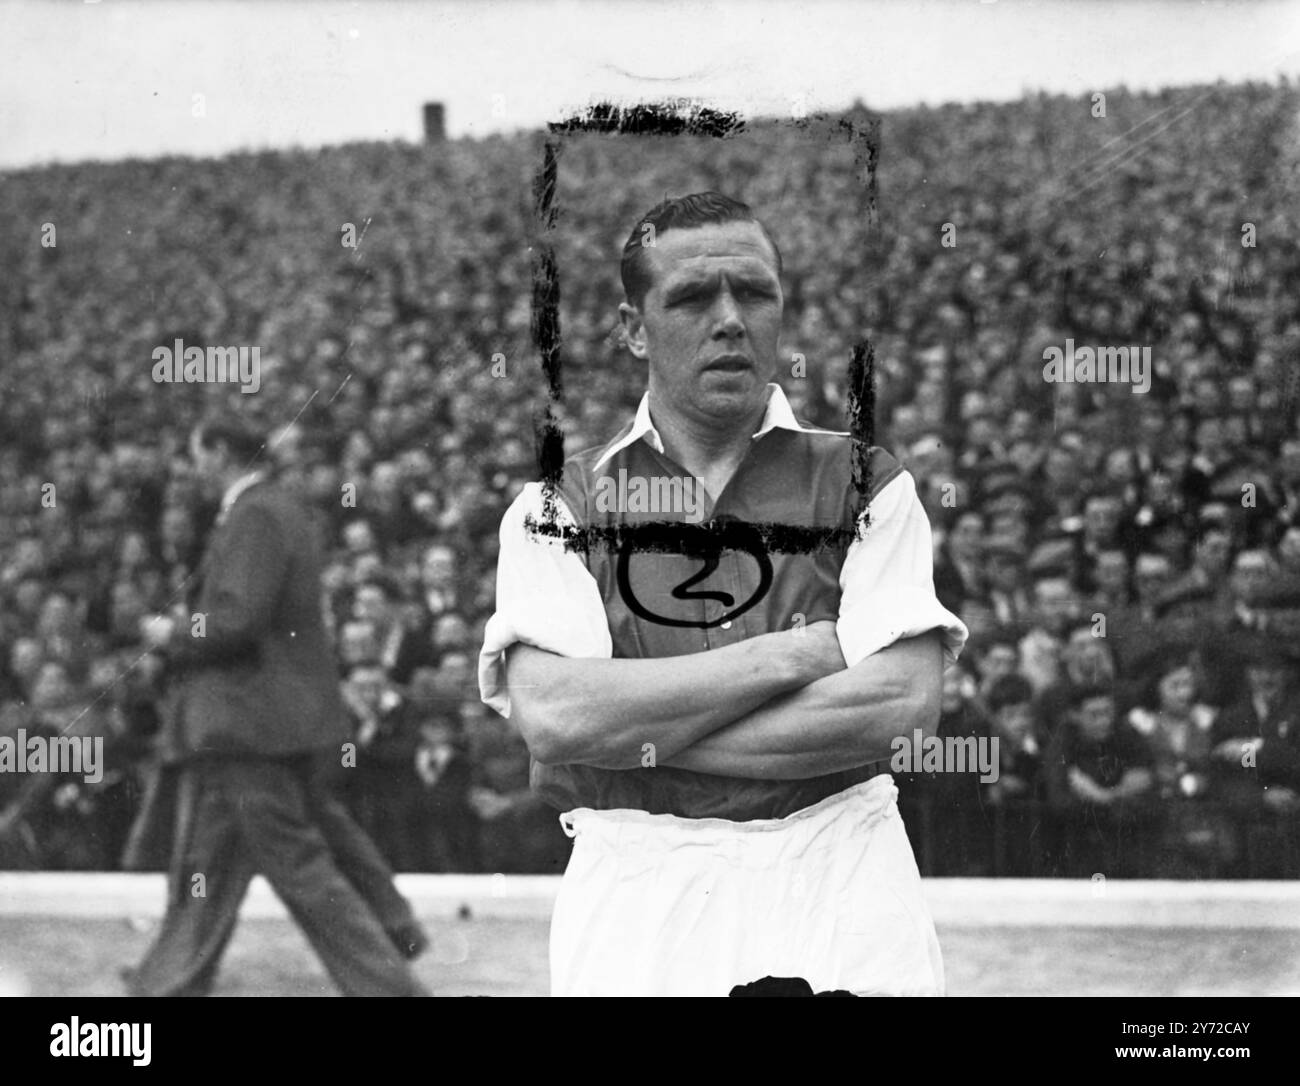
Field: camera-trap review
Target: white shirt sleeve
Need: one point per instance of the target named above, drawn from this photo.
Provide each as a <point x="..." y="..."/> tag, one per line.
<point x="887" y="581"/>
<point x="546" y="597"/>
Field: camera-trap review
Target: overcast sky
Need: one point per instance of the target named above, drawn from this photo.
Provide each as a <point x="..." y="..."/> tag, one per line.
<point x="106" y="79"/>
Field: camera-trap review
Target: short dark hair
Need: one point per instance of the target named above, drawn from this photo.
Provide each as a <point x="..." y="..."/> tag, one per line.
<point x="240" y="436"/>
<point x="680" y="213"/>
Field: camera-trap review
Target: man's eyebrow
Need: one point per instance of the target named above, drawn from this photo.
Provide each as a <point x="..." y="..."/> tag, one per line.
<point x="689" y="282"/>
<point x="755" y="277"/>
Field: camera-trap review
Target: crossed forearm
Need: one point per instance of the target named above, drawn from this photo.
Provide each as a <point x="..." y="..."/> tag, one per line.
<point x="836" y="723"/>
<point x="604" y="712"/>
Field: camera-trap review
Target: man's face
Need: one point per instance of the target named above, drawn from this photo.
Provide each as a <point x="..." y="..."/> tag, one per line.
<point x="449" y="632"/>
<point x="1112" y="571"/>
<point x="369" y="684"/>
<point x="209" y="463"/>
<point x="967" y="534"/>
<point x="1101" y="517"/>
<point x="177" y="527"/>
<point x="1014" y="722"/>
<point x="1087" y="657"/>
<point x="455" y="673"/>
<point x="1266" y="679"/>
<point x="710" y="322"/>
<point x="1289" y="461"/>
<point x="1152" y="574"/>
<point x="1177" y="689"/>
<point x="954" y="681"/>
<point x="438" y="568"/>
<point x="1096" y="717"/>
<point x="1251" y="574"/>
<point x="1056" y="602"/>
<point x="1212" y="552"/>
<point x="1000" y="660"/>
<point x="371" y="605"/>
<point x="1289" y="549"/>
<point x="358" y="538"/>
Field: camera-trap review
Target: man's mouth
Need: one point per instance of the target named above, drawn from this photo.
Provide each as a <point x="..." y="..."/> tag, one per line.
<point x="730" y="363"/>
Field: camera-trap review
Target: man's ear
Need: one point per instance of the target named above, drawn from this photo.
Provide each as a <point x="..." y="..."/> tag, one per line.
<point x="633" y="329"/>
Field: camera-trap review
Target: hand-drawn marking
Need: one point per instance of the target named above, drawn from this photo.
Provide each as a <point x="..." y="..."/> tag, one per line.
<point x="707" y="544"/>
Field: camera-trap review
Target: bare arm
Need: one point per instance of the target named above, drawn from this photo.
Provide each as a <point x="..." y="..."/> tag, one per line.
<point x="601" y="712"/>
<point x="839" y="722"/>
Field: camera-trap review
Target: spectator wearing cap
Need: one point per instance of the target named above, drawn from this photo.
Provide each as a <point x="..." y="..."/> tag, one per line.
<point x="1055" y="607"/>
<point x="1194" y="600"/>
<point x="1098" y="773"/>
<point x="995" y="655"/>
<point x="1168" y="535"/>
<point x="958" y="572"/>
<point x="1004" y="569"/>
<point x="1288" y="468"/>
<point x="358" y="645"/>
<point x="1123" y="478"/>
<point x="1288" y="554"/>
<point x="387" y="507"/>
<point x="943" y="812"/>
<point x="1015" y="797"/>
<point x="1160" y="499"/>
<point x="1257" y="749"/>
<point x="382" y="788"/>
<point x="1134" y="628"/>
<point x="1087" y="663"/>
<point x="402" y="647"/>
<point x="1210" y="457"/>
<point x="1062" y="485"/>
<point x="1109" y="580"/>
<point x="448" y="825"/>
<point x="439" y="579"/>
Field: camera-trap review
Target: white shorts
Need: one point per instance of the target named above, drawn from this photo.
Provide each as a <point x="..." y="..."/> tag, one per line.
<point x="661" y="905"/>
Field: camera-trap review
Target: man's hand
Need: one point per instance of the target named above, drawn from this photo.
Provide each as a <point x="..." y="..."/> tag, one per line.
<point x="841" y="721"/>
<point x="821" y="645"/>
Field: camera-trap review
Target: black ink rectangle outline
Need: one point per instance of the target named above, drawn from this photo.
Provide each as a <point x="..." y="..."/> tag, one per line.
<point x="681" y="117"/>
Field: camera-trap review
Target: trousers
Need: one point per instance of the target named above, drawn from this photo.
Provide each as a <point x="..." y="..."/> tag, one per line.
<point x="238" y="817"/>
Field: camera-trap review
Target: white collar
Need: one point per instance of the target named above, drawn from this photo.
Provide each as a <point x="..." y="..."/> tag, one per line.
<point x="779" y="413"/>
<point x="237" y="488"/>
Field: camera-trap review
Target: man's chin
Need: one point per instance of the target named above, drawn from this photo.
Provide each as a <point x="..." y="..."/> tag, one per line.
<point x="727" y="395"/>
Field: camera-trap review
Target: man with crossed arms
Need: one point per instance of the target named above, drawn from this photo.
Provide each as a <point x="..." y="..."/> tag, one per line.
<point x="723" y="770"/>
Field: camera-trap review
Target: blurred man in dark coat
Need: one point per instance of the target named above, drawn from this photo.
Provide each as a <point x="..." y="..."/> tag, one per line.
<point x="254" y="708"/>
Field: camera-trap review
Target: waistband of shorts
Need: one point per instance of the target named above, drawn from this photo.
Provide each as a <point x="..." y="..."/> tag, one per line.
<point x="876" y="794"/>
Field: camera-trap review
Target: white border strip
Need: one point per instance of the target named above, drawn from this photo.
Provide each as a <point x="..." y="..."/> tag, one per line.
<point x="954" y="903"/>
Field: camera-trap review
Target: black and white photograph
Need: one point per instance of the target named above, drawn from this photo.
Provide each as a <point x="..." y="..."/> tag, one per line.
<point x="691" y="499"/>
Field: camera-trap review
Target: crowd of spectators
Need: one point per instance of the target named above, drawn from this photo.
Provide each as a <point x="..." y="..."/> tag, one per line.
<point x="1128" y="563"/>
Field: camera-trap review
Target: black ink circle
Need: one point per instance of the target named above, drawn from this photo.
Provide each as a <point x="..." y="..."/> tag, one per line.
<point x="733" y="535"/>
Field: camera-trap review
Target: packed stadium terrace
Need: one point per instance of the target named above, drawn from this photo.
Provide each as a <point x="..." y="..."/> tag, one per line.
<point x="1128" y="563"/>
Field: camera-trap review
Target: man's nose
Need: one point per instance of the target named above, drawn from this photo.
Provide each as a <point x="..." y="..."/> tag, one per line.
<point x="728" y="322"/>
